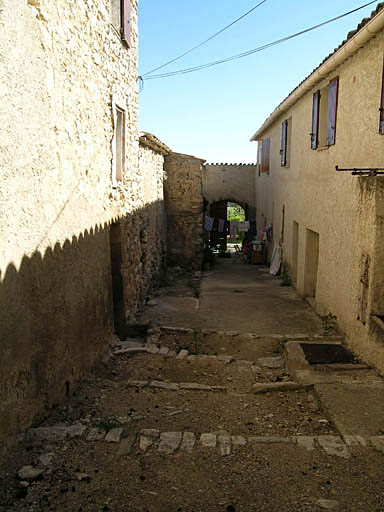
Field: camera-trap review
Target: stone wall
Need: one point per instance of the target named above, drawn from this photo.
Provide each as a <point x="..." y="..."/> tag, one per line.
<point x="64" y="71"/>
<point x="184" y="205"/>
<point x="233" y="182"/>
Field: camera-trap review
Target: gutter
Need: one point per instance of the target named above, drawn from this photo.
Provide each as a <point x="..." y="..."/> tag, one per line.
<point x="347" y="50"/>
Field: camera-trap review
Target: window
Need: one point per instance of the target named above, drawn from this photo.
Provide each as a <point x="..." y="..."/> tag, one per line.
<point x="265" y="150"/>
<point x="121" y="12"/>
<point x="119" y="145"/>
<point x="285" y="150"/>
<point x="381" y="120"/>
<point x="324" y="114"/>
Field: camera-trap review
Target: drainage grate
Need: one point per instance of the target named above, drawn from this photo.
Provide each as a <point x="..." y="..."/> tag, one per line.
<point x="325" y="353"/>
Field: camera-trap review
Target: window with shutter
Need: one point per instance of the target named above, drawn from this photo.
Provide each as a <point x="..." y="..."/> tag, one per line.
<point x="126" y="14"/>
<point x="284" y="141"/>
<point x="265" y="150"/>
<point x="315" y="120"/>
<point x="121" y="14"/>
<point x="324" y="115"/>
<point x="381" y="121"/>
<point x="332" y="110"/>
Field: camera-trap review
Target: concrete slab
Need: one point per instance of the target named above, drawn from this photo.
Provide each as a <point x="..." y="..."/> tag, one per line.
<point x="355" y="409"/>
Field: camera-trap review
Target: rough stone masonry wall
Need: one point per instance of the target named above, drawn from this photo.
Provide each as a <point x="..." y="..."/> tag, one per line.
<point x="63" y="69"/>
<point x="153" y="236"/>
<point x="184" y="205"/>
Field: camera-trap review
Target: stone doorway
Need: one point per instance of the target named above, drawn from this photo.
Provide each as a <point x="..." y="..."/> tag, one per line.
<point x="311" y="264"/>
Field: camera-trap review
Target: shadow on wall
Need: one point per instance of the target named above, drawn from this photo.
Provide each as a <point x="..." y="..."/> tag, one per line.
<point x="56" y="313"/>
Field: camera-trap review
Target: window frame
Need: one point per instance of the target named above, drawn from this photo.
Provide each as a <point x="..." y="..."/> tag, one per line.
<point x="119" y="142"/>
<point x="124" y="14"/>
<point x="319" y="133"/>
<point x="265" y="155"/>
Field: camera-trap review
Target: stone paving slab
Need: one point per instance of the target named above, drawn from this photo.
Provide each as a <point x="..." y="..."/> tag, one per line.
<point x="355" y="409"/>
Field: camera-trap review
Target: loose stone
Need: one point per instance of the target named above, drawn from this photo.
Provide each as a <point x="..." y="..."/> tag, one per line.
<point x="195" y="386"/>
<point x="208" y="440"/>
<point x="219" y="389"/>
<point x="152" y="349"/>
<point x="147" y="438"/>
<point x="170" y="386"/>
<point x="46" y="459"/>
<point x="171" y="353"/>
<point x="191" y="358"/>
<point x="137" y="383"/>
<point x="83" y="477"/>
<point x="225" y="359"/>
<point x="183" y="354"/>
<point x="129" y="343"/>
<point x="55" y="433"/>
<point x="96" y="434"/>
<point x="355" y="441"/>
<point x="163" y="351"/>
<point x="114" y="435"/>
<point x="270" y="440"/>
<point x="238" y="441"/>
<point x="29" y="473"/>
<point x="132" y="350"/>
<point x="378" y="443"/>
<point x="224" y="445"/>
<point x="333" y="445"/>
<point x="328" y="504"/>
<point x="188" y="442"/>
<point x="169" y="442"/>
<point x="260" y="388"/>
<point x="306" y="442"/>
<point x="126" y="446"/>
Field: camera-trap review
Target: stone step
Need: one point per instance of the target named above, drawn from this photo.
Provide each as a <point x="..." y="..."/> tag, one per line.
<point x="166" y="329"/>
<point x="152" y="440"/>
<point x="271" y="362"/>
<point x="175" y="386"/>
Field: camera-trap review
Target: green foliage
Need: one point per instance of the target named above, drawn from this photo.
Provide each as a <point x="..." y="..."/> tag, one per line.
<point x="329" y="324"/>
<point x="286" y="279"/>
<point x="235" y="212"/>
<point x="109" y="422"/>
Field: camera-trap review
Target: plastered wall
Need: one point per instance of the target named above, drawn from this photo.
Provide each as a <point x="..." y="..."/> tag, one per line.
<point x="63" y="71"/>
<point x="343" y="209"/>
<point x="235" y="182"/>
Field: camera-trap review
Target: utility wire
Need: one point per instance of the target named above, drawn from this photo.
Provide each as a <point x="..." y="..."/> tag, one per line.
<point x="258" y="49"/>
<point x="205" y="41"/>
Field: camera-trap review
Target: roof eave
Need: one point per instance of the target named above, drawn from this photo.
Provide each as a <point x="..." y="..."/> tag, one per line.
<point x="344" y="52"/>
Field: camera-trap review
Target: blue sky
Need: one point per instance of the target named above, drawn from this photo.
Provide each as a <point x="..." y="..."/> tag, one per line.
<point x="213" y="113"/>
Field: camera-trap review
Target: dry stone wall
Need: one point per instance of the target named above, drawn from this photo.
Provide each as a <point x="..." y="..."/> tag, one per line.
<point x="184" y="205"/>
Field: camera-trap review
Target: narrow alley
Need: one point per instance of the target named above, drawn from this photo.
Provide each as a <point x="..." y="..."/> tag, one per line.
<point x="191" y="317"/>
<point x="203" y="408"/>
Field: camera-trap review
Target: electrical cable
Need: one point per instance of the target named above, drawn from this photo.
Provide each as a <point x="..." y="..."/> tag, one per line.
<point x="205" y="41"/>
<point x="256" y="50"/>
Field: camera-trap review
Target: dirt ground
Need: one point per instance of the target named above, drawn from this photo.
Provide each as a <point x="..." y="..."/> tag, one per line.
<point x="277" y="459"/>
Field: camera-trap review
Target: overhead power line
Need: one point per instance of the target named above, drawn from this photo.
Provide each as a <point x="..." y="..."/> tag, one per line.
<point x="205" y="41"/>
<point x="258" y="49"/>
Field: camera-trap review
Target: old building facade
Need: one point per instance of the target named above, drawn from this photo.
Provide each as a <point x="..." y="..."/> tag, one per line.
<point x="329" y="223"/>
<point x="81" y="204"/>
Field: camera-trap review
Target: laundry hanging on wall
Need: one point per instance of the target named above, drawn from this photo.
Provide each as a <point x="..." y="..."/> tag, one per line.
<point x="208" y="223"/>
